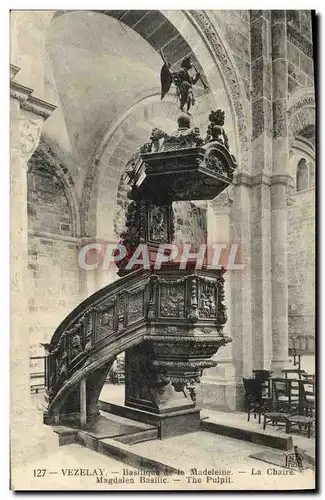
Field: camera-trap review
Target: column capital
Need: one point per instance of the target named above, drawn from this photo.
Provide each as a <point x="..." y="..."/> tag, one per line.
<point x="283" y="179"/>
<point x="242" y="178"/>
<point x="30" y="134"/>
<point x="33" y="113"/>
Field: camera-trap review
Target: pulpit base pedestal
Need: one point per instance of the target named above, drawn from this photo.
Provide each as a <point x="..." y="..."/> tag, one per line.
<point x="169" y="424"/>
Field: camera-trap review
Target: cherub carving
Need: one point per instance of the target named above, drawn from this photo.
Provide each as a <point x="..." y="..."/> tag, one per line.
<point x="215" y="130"/>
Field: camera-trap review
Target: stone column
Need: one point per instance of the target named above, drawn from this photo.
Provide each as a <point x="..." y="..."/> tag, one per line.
<point x="241" y="286"/>
<point x="27" y="115"/>
<point x="260" y="187"/>
<point x="218" y="385"/>
<point x="279" y="181"/>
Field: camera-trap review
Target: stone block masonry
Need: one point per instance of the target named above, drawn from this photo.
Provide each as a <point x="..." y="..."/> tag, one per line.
<point x="56" y="285"/>
<point x="301" y="264"/>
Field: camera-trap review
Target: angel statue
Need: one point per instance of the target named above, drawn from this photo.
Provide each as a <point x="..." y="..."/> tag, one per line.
<point x="182" y="80"/>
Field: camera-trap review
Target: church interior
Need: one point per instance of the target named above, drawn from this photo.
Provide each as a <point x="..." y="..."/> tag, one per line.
<point x="85" y="95"/>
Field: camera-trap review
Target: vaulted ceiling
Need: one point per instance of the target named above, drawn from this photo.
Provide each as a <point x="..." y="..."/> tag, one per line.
<point x="101" y="67"/>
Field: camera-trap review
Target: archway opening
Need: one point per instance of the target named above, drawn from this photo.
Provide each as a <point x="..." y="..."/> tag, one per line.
<point x="302" y="175"/>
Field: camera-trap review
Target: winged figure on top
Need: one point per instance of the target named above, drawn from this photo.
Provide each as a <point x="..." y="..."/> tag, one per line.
<point x="183" y="81"/>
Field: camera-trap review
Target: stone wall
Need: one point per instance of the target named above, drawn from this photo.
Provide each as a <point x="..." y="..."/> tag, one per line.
<point x="235" y="27"/>
<point x="299" y="50"/>
<point x="301" y="265"/>
<point x="190" y="222"/>
<point x="55" y="285"/>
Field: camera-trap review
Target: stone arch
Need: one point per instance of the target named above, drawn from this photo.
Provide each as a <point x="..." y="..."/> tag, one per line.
<point x="223" y="58"/>
<point x="115" y="150"/>
<point x="182" y="33"/>
<point x="46" y="159"/>
<point x="302" y="124"/>
<point x="302" y="115"/>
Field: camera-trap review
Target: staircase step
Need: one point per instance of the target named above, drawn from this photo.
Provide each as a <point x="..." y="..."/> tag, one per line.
<point x="127" y="421"/>
<point x="269" y="437"/>
<point x="138" y="437"/>
<point x="124" y="453"/>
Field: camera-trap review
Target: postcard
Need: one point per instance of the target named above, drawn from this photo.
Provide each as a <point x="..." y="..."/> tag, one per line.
<point x="162" y="190"/>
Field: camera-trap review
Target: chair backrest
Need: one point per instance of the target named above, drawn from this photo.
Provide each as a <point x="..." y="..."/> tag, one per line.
<point x="262" y="375"/>
<point x="308" y="388"/>
<point x="281" y="387"/>
<point x="253" y="388"/>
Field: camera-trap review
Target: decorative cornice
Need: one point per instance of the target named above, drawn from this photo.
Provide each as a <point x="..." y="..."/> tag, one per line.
<point x="262" y="178"/>
<point x="184" y="365"/>
<point x="19" y="92"/>
<point x="13" y="71"/>
<point x="29" y="102"/>
<point x="296" y="37"/>
<point x="39" y="107"/>
<point x="53" y="236"/>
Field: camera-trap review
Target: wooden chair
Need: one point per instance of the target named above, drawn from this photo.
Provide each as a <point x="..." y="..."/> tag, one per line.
<point x="255" y="402"/>
<point x="308" y="397"/>
<point x="300" y="421"/>
<point x="285" y="395"/>
<point x="263" y="376"/>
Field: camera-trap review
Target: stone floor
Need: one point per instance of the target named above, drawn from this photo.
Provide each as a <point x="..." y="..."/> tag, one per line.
<point x="204" y="450"/>
<point x="201" y="450"/>
<point x="239" y="419"/>
<point x="113" y="393"/>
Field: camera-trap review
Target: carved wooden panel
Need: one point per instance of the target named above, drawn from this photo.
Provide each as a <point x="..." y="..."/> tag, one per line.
<point x="172" y="298"/>
<point x="135" y="305"/>
<point x="105" y="320"/>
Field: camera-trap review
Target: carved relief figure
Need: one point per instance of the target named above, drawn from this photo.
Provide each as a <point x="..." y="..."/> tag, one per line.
<point x="183" y="81"/>
<point x="156" y="135"/>
<point x="184" y="137"/>
<point x="158" y="223"/>
<point x="207" y="306"/>
<point x="172" y="300"/>
<point x="75" y="346"/>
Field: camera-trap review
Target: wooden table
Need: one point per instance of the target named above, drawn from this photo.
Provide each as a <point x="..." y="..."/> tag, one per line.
<point x="292" y="370"/>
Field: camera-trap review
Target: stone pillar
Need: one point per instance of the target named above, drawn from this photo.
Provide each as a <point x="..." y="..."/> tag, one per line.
<point x="241" y="332"/>
<point x="27" y="115"/>
<point x="279" y="181"/>
<point x="260" y="187"/>
<point x="218" y="385"/>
